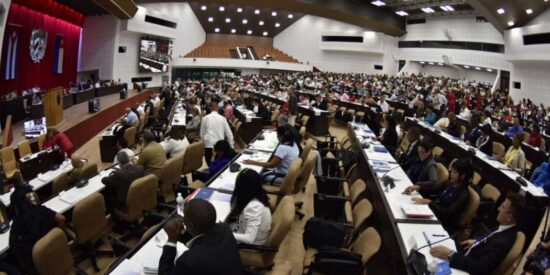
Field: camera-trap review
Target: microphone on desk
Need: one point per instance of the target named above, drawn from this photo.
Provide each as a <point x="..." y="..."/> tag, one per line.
<point x="439" y="241"/>
<point x="387" y="180"/>
<point x="417" y="260"/>
<point x="521" y="181"/>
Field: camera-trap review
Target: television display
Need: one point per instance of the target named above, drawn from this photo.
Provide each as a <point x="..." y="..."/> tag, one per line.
<point x="154" y="55"/>
<point x="35" y="127"/>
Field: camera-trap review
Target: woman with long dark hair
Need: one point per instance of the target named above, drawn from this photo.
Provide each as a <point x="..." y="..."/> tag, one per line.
<point x="251" y="206"/>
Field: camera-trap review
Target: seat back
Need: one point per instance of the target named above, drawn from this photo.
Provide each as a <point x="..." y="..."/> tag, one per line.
<point x="237" y="127"/>
<point x="89" y="219"/>
<point x="471" y="208"/>
<point x="281" y="221"/>
<point x="358" y="187"/>
<point x="9" y="163"/>
<point x="498" y="149"/>
<point x="192" y="158"/>
<point x="490" y="192"/>
<point x="60" y="183"/>
<point x="442" y="173"/>
<point x="287" y="187"/>
<point x="476" y="178"/>
<point x="142" y="195"/>
<point x="130" y="136"/>
<point x="40" y="139"/>
<point x="367" y="244"/>
<point x="526" y="137"/>
<point x="512" y="256"/>
<point x="305" y="173"/>
<point x="171" y="176"/>
<point x="89" y="170"/>
<point x="142" y="120"/>
<point x="307" y="148"/>
<point x="51" y="255"/>
<point x="302" y="132"/>
<point x="437" y="151"/>
<point x="462" y="130"/>
<point x="24" y="148"/>
<point x="361" y="212"/>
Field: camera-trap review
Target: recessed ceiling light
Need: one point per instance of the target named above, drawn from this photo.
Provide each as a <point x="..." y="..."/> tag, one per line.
<point x="222" y="8"/>
<point x="489" y="70"/>
<point x="440" y="64"/>
<point x="210" y="19"/>
<point x="203" y="7"/>
<point x="233" y="30"/>
<point x="511" y="23"/>
<point x="402" y="13"/>
<point x="466" y="66"/>
<point x="290" y="16"/>
<point x="249" y="32"/>
<point x="431" y="63"/>
<point x="277" y="25"/>
<point x="245" y="21"/>
<point x="256" y="11"/>
<point x="378" y="3"/>
<point x="422" y="62"/>
<point x="265" y="33"/>
<point x="261" y="23"/>
<point x="447" y="8"/>
<point x="227" y="20"/>
<point x="501" y="11"/>
<point x="478" y="68"/>
<point x="273" y="13"/>
<point x="528" y="11"/>
<point x="239" y="9"/>
<point x="217" y="29"/>
<point x="428" y="10"/>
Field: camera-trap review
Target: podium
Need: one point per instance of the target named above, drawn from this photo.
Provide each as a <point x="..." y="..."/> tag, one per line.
<point x="53" y="106"/>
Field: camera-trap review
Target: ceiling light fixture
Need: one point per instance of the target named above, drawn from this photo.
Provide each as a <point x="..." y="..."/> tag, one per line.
<point x="489" y="70"/>
<point x="222" y="8"/>
<point x="428" y="10"/>
<point x="447" y="8"/>
<point x="256" y="11"/>
<point x="233" y="30"/>
<point x="378" y="3"/>
<point x="466" y="66"/>
<point x="203" y="7"/>
<point x="227" y="20"/>
<point x="478" y="68"/>
<point x="290" y="16"/>
<point x="210" y="19"/>
<point x="422" y="62"/>
<point x="273" y="13"/>
<point x="249" y="32"/>
<point x="431" y="63"/>
<point x="440" y="64"/>
<point x="261" y="23"/>
<point x="245" y="21"/>
<point x="239" y="9"/>
<point x="217" y="29"/>
<point x="402" y="13"/>
<point x="265" y="33"/>
<point x="529" y="11"/>
<point x="277" y="25"/>
<point x="511" y="23"/>
<point x="501" y="11"/>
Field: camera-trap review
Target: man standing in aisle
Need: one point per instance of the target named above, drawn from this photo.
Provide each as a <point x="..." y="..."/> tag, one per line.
<point x="214" y="127"/>
<point x="292" y="106"/>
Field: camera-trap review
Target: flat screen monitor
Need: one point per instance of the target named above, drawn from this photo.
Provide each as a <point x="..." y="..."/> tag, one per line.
<point x="35" y="127"/>
<point x="154" y="55"/>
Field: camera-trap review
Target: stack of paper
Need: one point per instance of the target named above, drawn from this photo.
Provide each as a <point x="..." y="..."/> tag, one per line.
<point x="416" y="210"/>
<point x="68" y="197"/>
<point x="44" y="178"/>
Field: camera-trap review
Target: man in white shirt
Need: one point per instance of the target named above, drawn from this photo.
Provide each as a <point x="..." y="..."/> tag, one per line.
<point x="214" y="127"/>
<point x="465" y="113"/>
<point x="383" y="104"/>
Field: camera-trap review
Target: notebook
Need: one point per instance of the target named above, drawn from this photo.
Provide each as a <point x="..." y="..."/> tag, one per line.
<point x="416" y="210"/>
<point x="380" y="149"/>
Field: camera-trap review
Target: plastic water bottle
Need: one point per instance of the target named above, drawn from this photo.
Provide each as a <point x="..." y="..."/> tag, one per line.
<point x="180" y="203"/>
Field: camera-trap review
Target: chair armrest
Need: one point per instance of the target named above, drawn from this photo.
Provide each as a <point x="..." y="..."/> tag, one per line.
<point x="330" y="179"/>
<point x="277" y="193"/>
<point x="261" y="248"/>
<point x="331" y="197"/>
<point x="273" y="173"/>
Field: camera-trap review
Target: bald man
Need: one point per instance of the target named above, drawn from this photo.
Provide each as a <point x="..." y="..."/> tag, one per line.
<point x="212" y="250"/>
<point x="77" y="163"/>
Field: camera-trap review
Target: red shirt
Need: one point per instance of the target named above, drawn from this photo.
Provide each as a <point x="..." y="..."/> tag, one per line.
<point x="534" y="139"/>
<point x="61" y="140"/>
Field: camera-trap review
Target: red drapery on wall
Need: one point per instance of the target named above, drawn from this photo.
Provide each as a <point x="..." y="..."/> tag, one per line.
<point x="23" y="20"/>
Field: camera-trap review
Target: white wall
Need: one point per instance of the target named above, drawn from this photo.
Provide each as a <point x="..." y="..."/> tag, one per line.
<point x="99" y="45"/>
<point x="450" y="72"/>
<point x="3" y="19"/>
<point x="535" y="81"/>
<point x="302" y="40"/>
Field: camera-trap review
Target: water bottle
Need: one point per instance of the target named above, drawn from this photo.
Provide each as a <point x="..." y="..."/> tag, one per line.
<point x="180" y="202"/>
<point x="353" y="122"/>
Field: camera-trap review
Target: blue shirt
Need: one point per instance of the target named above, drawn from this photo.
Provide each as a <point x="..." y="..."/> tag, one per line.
<point x="287" y="154"/>
<point x="512" y="131"/>
<point x="431" y="118"/>
<point x="541" y="177"/>
<point x="131" y="117"/>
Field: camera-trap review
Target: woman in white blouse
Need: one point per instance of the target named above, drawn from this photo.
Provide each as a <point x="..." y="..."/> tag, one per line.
<point x="176" y="143"/>
<point x="251" y="205"/>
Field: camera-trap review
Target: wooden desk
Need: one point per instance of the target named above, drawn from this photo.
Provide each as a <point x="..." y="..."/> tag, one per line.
<point x="250" y="126"/>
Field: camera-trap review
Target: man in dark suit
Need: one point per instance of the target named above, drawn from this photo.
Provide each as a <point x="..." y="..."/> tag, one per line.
<point x="485" y="254"/>
<point x="320" y="102"/>
<point x="212" y="250"/>
<point x="119" y="181"/>
<point x="485" y="143"/>
<point x="410" y="155"/>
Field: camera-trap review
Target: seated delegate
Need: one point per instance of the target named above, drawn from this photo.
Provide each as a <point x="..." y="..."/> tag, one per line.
<point x="515" y="157"/>
<point x="251" y="202"/>
<point x="423" y="172"/>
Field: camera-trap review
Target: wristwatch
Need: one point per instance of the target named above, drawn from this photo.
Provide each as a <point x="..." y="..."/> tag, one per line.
<point x="450" y="255"/>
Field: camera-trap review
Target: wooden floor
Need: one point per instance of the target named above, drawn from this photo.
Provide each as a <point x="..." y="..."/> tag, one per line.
<point x="74" y="115"/>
